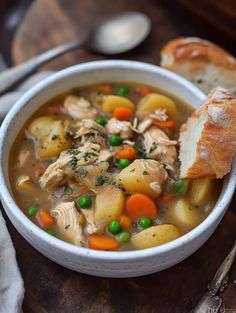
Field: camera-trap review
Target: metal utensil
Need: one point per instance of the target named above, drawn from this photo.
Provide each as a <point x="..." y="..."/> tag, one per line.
<point x="115" y="35"/>
<point x="210" y="302"/>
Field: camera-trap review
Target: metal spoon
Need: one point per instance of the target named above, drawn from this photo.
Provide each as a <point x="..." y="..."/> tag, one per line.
<point x="117" y="34"/>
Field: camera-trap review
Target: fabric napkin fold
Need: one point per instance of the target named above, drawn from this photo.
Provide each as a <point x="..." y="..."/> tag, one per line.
<point x="11" y="283"/>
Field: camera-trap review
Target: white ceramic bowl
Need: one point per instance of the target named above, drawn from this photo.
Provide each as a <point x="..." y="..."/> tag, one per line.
<point x="102" y="263"/>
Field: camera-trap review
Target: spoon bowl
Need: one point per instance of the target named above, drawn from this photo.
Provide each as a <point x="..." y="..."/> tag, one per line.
<point x="119" y="33"/>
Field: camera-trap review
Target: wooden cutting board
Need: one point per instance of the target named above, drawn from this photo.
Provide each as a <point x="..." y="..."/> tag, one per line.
<point x="53" y="289"/>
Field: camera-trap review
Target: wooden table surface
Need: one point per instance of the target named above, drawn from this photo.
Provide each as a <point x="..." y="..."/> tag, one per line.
<point x="51" y="288"/>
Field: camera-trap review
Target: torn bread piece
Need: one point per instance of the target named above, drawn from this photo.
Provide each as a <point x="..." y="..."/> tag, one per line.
<point x="202" y="62"/>
<point x="208" y="138"/>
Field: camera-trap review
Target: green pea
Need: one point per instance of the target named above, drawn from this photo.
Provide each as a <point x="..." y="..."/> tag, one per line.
<point x="84" y="202"/>
<point x="124" y="236"/>
<point x="51" y="232"/>
<point x="101" y="120"/>
<point x="32" y="211"/>
<point x="180" y="186"/>
<point x="114" y="227"/>
<point x="145" y="222"/>
<point x="123" y="163"/>
<point x="123" y="91"/>
<point x="115" y="140"/>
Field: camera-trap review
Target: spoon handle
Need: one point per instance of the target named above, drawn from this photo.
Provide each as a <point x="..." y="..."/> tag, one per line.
<point x="9" y="78"/>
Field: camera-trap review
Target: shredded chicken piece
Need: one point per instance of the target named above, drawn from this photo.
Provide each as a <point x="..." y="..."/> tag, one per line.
<point x="90" y="131"/>
<point x="123" y="128"/>
<point x="104" y="155"/>
<point x="69" y="222"/>
<point x="55" y="173"/>
<point x="159" y="114"/>
<point x="135" y="123"/>
<point x="87" y="124"/>
<point x="70" y="161"/>
<point x="158" y="146"/>
<point x="22" y="179"/>
<point x="23" y="182"/>
<point x="144" y="125"/>
<point x="129" y="142"/>
<point x="90" y="227"/>
<point x="23" y="157"/>
<point x="79" y="108"/>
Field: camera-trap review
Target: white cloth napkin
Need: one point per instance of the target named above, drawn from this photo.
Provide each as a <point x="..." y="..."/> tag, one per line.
<point x="11" y="283"/>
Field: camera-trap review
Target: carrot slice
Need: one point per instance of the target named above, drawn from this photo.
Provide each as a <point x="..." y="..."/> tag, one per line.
<point x="53" y="109"/>
<point x="144" y="90"/>
<point x="126" y="152"/>
<point x="140" y="205"/>
<point x="105" y="89"/>
<point x="165" y="199"/>
<point x="123" y="114"/>
<point x="102" y="242"/>
<point x="38" y="171"/>
<point x="164" y="124"/>
<point x="45" y="219"/>
<point x="125" y="221"/>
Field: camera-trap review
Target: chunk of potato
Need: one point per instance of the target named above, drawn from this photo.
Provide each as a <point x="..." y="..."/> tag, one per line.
<point x="40" y="127"/>
<point x="109" y="204"/>
<point x="182" y="214"/>
<point x="155" y="236"/>
<point x="110" y="103"/>
<point x="154" y="101"/>
<point x="144" y="176"/>
<point x="54" y="143"/>
<point x="199" y="191"/>
<point x="49" y="135"/>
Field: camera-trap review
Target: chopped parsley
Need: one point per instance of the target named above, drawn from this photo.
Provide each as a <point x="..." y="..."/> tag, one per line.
<point x="153" y="147"/>
<point x="73" y="151"/>
<point x="87" y="155"/>
<point x="146" y="173"/>
<point x="82" y="172"/>
<point x="101" y="179"/>
<point x="73" y="162"/>
<point x="68" y="191"/>
<point x="120" y="186"/>
<point x="54" y="137"/>
<point x="140" y="150"/>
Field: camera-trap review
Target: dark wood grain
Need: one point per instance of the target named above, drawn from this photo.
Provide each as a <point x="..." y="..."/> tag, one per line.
<point x="53" y="289"/>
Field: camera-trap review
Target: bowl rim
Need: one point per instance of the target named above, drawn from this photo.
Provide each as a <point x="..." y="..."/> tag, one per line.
<point x="69" y="248"/>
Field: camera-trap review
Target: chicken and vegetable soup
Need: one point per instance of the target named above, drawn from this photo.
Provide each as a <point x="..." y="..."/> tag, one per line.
<point x="98" y="167"/>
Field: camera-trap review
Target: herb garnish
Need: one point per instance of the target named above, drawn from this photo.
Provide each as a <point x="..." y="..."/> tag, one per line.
<point x="68" y="191"/>
<point x="73" y="151"/>
<point x="82" y="172"/>
<point x="140" y="150"/>
<point x="73" y="162"/>
<point x="146" y="173"/>
<point x="54" y="137"/>
<point x="153" y="147"/>
<point x="101" y="179"/>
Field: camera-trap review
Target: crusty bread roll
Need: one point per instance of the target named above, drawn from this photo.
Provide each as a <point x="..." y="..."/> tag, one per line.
<point x="208" y="138"/>
<point x="202" y="62"/>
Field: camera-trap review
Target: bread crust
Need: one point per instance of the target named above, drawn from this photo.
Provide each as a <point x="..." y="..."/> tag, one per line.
<point x="196" y="50"/>
<point x="217" y="143"/>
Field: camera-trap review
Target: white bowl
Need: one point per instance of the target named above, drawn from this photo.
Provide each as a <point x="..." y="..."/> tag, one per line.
<point x="102" y="263"/>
